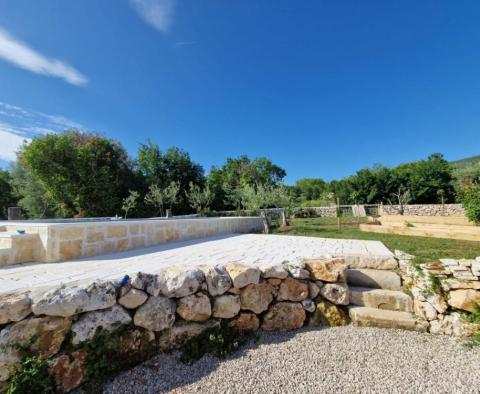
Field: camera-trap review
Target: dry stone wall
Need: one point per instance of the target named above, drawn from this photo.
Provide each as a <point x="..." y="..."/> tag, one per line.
<point x="158" y="312"/>
<point x="424" y="210"/>
<point x="444" y="293"/>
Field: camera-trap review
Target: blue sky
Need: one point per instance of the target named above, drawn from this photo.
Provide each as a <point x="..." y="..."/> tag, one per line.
<point x="322" y="87"/>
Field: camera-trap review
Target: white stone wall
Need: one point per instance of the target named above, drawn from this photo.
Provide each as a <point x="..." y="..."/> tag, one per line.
<point x="66" y="241"/>
<point x="425" y="210"/>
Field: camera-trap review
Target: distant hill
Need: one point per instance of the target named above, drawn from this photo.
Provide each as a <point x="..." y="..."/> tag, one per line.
<point x="468" y="162"/>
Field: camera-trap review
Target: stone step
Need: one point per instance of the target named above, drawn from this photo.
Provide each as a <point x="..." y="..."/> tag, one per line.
<point x="381" y="299"/>
<point x="372" y="317"/>
<point x="5" y="240"/>
<point x="376" y="279"/>
<point x="371" y="261"/>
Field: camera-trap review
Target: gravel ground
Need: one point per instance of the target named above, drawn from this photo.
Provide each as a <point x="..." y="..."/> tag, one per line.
<point x="336" y="360"/>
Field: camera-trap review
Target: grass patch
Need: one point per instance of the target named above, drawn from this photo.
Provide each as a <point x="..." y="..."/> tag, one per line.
<point x="31" y="377"/>
<point x="424" y="248"/>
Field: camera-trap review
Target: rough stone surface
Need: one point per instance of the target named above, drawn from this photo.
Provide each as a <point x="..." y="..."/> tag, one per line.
<point x="69" y="371"/>
<point x="226" y="306"/>
<point x="313" y="290"/>
<point x="375" y="279"/>
<point x="195" y="307"/>
<point x="438" y="302"/>
<point x="256" y="297"/>
<point x="274" y="271"/>
<point x="242" y="275"/>
<point x="14" y="307"/>
<point x="381" y="299"/>
<point x="424" y="310"/>
<point x="181" y="332"/>
<point x="292" y="290"/>
<point x="133" y="298"/>
<point x="328" y="314"/>
<point x="308" y="305"/>
<point x="284" y="316"/>
<point x="372" y="317"/>
<point x="217" y="279"/>
<point x="297" y="269"/>
<point x="464" y="299"/>
<point x="86" y="327"/>
<point x="157" y="314"/>
<point x="179" y="282"/>
<point x="336" y="293"/>
<point x="47" y="333"/>
<point x="67" y="301"/>
<point x="327" y="270"/>
<point x="246" y="322"/>
<point x="453" y="324"/>
<point x="371" y="261"/>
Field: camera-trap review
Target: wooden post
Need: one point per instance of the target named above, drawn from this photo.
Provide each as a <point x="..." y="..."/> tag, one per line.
<point x="266" y="224"/>
<point x="338" y="213"/>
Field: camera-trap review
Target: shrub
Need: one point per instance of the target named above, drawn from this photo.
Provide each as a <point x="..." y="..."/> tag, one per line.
<point x="470" y="197"/>
<point x="31" y="377"/>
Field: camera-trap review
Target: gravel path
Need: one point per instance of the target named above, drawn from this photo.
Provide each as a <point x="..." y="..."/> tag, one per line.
<point x="342" y="360"/>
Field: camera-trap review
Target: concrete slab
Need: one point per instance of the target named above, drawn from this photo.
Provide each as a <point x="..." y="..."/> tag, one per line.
<point x="245" y="248"/>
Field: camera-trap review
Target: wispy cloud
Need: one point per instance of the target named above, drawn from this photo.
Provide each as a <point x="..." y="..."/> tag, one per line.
<point x="21" y="55"/>
<point x="157" y="13"/>
<point x="19" y="124"/>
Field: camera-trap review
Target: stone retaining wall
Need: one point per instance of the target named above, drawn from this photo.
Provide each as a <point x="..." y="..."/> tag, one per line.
<point x="160" y="312"/>
<point x="66" y="241"/>
<point x="444" y="292"/>
<point x="424" y="210"/>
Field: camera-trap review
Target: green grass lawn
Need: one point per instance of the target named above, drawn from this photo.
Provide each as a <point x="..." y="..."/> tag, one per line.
<point x="423" y="248"/>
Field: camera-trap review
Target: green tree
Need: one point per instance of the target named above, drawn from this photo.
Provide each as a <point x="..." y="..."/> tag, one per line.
<point x="87" y="174"/>
<point x="129" y="203"/>
<point x="310" y="188"/>
<point x="158" y="197"/>
<point x="470" y="198"/>
<point x="200" y="199"/>
<point x="7" y="197"/>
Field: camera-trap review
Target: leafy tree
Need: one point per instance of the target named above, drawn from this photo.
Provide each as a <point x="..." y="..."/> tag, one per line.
<point x="159" y="197"/>
<point x="87" y="174"/>
<point x="310" y="188"/>
<point x="130" y="202"/>
<point x="163" y="168"/>
<point x="199" y="199"/>
<point x="7" y="197"/>
<point x="32" y="196"/>
<point x="470" y="197"/>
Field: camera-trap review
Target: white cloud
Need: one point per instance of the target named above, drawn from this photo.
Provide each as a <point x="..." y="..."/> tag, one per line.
<point x="10" y="141"/>
<point x="157" y="13"/>
<point x="18" y="124"/>
<point x="21" y="55"/>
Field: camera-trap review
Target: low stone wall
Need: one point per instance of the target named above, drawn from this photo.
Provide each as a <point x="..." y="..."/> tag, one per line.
<point x="66" y="241"/>
<point x="160" y="312"/>
<point x="444" y="292"/>
<point x="424" y="210"/>
<point x="309" y="212"/>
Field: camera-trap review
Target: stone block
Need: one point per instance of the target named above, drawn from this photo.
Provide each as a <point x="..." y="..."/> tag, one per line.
<point x="70" y="233"/>
<point x="284" y="316"/>
<point x="117" y="231"/>
<point x="327" y="270"/>
<point x="71" y="249"/>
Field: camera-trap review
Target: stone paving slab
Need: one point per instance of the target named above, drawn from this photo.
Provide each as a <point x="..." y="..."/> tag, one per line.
<point x="241" y="248"/>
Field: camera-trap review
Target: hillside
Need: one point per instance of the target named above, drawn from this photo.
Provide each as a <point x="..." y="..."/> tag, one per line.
<point x="468" y="162"/>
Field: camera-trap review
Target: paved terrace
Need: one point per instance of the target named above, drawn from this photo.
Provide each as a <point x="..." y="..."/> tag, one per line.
<point x="245" y="248"/>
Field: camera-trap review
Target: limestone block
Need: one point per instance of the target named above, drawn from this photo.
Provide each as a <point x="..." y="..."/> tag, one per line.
<point x="308" y="305"/>
<point x="195" y="307"/>
<point x="134" y="229"/>
<point x="256" y="297"/>
<point x="297" y="269"/>
<point x="138" y="242"/>
<point x="226" y="306"/>
<point x="284" y="316"/>
<point x="217" y="279"/>
<point x="242" y="275"/>
<point x="69" y="371"/>
<point x="181" y="332"/>
<point x="374" y="279"/>
<point x="14" y="307"/>
<point x="70" y="233"/>
<point x="465" y="299"/>
<point x="43" y="335"/>
<point x="71" y="249"/>
<point x="327" y="270"/>
<point x="292" y="290"/>
<point x="336" y="293"/>
<point x="86" y="327"/>
<point x="67" y="301"/>
<point x="381" y="299"/>
<point x="424" y="310"/>
<point x="117" y="231"/>
<point x="438" y="302"/>
<point x="95" y="234"/>
<point x="462" y="284"/>
<point x="133" y="298"/>
<point x="157" y="314"/>
<point x="246" y="322"/>
<point x="273" y="271"/>
<point x="122" y="244"/>
<point x="313" y="289"/>
<point x="179" y="282"/>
